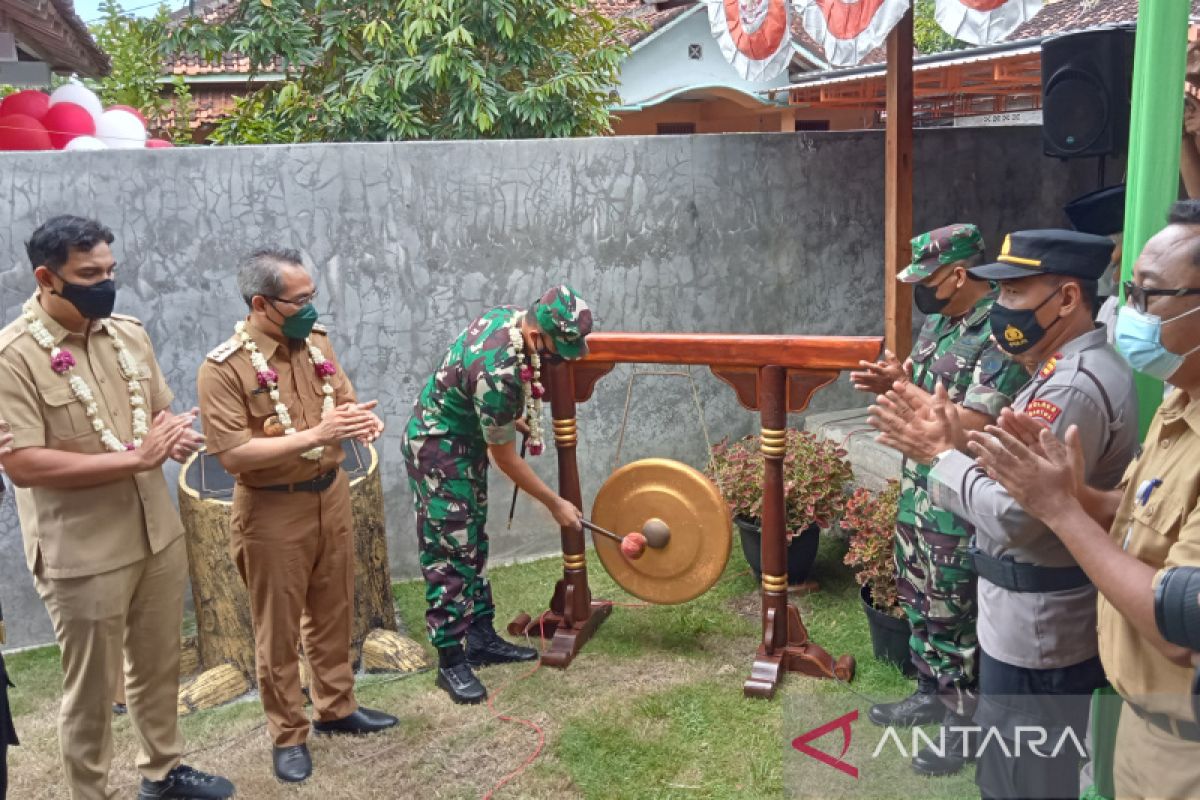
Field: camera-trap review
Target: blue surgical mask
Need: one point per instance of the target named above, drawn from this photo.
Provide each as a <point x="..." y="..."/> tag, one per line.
<point x="1139" y="339"/>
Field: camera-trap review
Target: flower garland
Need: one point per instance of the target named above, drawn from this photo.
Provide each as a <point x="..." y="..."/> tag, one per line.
<point x="531" y="382"/>
<point x="62" y="362"/>
<point x="269" y="379"/>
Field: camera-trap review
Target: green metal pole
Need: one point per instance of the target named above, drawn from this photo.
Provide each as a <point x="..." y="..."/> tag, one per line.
<point x="1155" y="132"/>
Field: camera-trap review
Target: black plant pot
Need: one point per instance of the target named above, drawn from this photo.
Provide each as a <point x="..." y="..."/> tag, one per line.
<point x="889" y="636"/>
<point x="801" y="551"/>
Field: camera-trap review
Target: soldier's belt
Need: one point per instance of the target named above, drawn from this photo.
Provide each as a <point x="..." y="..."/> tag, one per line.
<point x="1015" y="576"/>
<point x="1188" y="731"/>
<point x="317" y="484"/>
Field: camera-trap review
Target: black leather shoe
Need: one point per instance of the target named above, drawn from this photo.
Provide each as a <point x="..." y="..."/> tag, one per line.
<point x="461" y="684"/>
<point x="484" y="647"/>
<point x="364" y="720"/>
<point x="958" y="750"/>
<point x="185" y="783"/>
<point x="922" y="707"/>
<point x="292" y="764"/>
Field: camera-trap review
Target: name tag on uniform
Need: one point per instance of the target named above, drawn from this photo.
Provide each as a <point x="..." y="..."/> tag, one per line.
<point x="1043" y="409"/>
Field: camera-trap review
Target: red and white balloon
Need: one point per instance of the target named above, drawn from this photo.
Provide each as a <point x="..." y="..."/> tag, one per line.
<point x="70" y="118"/>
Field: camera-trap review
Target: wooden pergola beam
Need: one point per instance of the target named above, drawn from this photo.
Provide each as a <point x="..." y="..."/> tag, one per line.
<point x="898" y="187"/>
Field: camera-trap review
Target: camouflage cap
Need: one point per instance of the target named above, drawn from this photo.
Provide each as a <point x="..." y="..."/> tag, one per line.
<point x="940" y="247"/>
<point x="565" y="317"/>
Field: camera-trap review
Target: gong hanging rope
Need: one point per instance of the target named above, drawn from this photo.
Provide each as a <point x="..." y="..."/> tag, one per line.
<point x="662" y="374"/>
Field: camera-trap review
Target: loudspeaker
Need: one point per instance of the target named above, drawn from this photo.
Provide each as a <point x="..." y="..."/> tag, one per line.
<point x="1087" y="82"/>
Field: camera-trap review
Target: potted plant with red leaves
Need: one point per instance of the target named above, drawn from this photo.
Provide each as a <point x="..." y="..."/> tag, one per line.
<point x="816" y="476"/>
<point x="871" y="516"/>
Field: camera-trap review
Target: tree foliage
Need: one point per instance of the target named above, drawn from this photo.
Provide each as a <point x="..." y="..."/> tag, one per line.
<point x="928" y="36"/>
<point x="412" y="69"/>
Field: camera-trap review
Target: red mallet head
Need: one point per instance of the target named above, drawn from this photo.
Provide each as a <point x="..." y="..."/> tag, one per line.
<point x="633" y="545"/>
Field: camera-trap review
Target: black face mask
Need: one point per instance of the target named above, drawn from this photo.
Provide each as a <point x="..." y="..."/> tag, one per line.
<point x="94" y="302"/>
<point x="1016" y="330"/>
<point x="927" y="300"/>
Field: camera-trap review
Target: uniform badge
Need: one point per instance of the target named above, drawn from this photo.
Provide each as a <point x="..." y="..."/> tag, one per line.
<point x="1043" y="409"/>
<point x="273" y="427"/>
<point x="1050" y="366"/>
<point x="1014" y="336"/>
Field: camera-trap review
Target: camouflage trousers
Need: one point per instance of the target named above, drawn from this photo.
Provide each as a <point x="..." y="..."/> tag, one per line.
<point x="451" y="520"/>
<point x="937" y="588"/>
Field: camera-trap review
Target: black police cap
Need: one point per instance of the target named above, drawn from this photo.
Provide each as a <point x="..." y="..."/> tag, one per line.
<point x="1101" y="212"/>
<point x="1049" y="252"/>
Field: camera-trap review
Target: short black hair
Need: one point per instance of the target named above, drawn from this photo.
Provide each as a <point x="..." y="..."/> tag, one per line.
<point x="1089" y="291"/>
<point x="1185" y="212"/>
<point x="52" y="244"/>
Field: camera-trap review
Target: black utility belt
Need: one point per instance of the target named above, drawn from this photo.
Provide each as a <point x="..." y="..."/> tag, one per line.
<point x="1015" y="576"/>
<point x="1188" y="731"/>
<point x="317" y="484"/>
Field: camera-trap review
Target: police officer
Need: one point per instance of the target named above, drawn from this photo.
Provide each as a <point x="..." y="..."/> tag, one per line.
<point x="935" y="581"/>
<point x="1038" y="661"/>
<point x="89" y="412"/>
<point x="487" y="387"/>
<point x="1127" y="539"/>
<point x="276" y="407"/>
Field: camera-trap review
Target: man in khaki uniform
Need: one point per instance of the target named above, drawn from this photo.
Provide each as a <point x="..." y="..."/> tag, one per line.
<point x="276" y="408"/>
<point x="1153" y="516"/>
<point x="88" y="410"/>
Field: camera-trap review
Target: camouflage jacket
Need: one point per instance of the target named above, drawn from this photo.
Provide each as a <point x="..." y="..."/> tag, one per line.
<point x="476" y="396"/>
<point x="962" y="356"/>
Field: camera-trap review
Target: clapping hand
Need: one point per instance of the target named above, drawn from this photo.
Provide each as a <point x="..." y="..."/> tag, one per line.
<point x="878" y="377"/>
<point x="1042" y="479"/>
<point x="190" y="440"/>
<point x="914" y="422"/>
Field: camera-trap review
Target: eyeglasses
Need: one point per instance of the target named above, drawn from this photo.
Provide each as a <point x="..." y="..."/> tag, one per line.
<point x="1136" y="295"/>
<point x="298" y="302"/>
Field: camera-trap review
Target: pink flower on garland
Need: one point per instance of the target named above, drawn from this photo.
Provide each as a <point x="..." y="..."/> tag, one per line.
<point x="325" y="369"/>
<point x="537" y="391"/>
<point x="129" y="446"/>
<point x="536" y="449"/>
<point x="62" y="362"/>
<point x="526" y="373"/>
<point x="267" y="377"/>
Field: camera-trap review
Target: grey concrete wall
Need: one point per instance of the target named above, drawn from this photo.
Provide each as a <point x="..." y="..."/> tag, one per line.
<point x="743" y="233"/>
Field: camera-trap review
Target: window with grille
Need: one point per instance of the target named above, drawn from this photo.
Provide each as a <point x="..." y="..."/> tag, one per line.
<point x="676" y="128"/>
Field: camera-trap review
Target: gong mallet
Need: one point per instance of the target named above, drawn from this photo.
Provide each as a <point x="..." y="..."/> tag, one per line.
<point x="654" y="533"/>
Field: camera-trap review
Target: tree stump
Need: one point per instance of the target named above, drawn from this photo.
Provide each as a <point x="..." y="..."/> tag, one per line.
<point x="223" y="626"/>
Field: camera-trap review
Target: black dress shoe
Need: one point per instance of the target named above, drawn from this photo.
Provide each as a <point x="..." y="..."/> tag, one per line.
<point x="461" y="684"/>
<point x="958" y="750"/>
<point x="484" y="647"/>
<point x="364" y="720"/>
<point x="185" y="783"/>
<point x="292" y="764"/>
<point x="922" y="707"/>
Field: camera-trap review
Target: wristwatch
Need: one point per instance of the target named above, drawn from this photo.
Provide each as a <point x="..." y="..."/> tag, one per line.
<point x="940" y="456"/>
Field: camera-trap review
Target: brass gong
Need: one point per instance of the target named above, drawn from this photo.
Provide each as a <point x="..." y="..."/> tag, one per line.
<point x="698" y="540"/>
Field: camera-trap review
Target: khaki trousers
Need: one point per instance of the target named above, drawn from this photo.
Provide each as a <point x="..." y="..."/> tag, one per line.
<point x="1151" y="764"/>
<point x="137" y="609"/>
<point x="295" y="553"/>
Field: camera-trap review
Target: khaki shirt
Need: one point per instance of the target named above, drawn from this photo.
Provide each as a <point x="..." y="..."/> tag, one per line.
<point x="1163" y="531"/>
<point x="234" y="409"/>
<point x="71" y="533"/>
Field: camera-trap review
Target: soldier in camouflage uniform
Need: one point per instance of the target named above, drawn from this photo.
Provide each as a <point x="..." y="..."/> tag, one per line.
<point x="935" y="580"/>
<point x="485" y="390"/>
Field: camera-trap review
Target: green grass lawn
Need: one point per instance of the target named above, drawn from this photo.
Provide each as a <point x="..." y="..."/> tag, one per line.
<point x="653" y="708"/>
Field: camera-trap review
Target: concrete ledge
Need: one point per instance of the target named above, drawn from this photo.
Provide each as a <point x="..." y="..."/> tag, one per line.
<point x="874" y="465"/>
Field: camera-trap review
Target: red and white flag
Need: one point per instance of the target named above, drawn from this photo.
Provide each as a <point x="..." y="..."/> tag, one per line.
<point x="849" y="29"/>
<point x="984" y="21"/>
<point x="755" y="36"/>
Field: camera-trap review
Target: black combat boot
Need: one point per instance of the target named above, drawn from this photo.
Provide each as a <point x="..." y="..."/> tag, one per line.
<point x="484" y="646"/>
<point x="960" y="746"/>
<point x="922" y="707"/>
<point x="455" y="676"/>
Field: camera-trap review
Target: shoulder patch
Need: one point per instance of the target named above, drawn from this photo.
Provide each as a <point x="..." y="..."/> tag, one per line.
<point x="1043" y="409"/>
<point x="1049" y="367"/>
<point x="127" y="318"/>
<point x="224" y="350"/>
<point x="319" y="328"/>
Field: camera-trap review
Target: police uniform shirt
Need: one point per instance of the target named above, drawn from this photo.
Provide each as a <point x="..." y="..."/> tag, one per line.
<point x="1089" y="385"/>
<point x="1157" y="522"/>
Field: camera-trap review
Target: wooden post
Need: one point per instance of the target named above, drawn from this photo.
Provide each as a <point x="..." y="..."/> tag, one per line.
<point x="898" y="200"/>
<point x="773" y="411"/>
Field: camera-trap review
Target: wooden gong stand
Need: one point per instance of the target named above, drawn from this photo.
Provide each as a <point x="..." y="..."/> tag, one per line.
<point x="773" y="375"/>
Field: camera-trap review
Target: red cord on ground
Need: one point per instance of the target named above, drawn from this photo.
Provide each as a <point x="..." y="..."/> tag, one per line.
<point x="533" y="726"/>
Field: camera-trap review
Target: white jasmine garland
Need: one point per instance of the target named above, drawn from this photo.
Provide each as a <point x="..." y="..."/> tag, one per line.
<point x="531" y="384"/>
